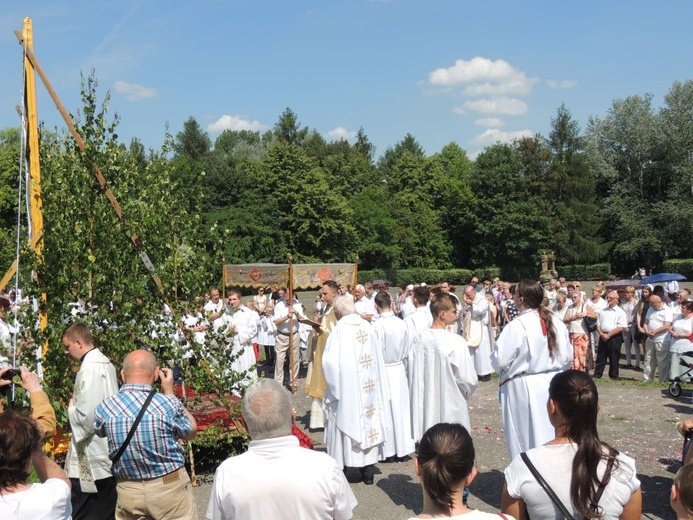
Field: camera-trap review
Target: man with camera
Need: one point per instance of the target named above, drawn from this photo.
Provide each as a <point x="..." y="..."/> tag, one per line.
<point x="152" y="463"/>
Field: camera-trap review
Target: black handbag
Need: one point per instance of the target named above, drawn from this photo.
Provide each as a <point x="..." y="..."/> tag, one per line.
<point x="590" y="324"/>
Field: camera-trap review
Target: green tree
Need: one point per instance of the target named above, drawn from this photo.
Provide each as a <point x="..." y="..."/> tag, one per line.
<point x="192" y="141"/>
<point x="316" y="222"/>
<point x="288" y="129"/>
<point x="88" y="257"/>
<point x="625" y="153"/>
<point x="9" y="178"/>
<point x="508" y="226"/>
<point x="677" y="134"/>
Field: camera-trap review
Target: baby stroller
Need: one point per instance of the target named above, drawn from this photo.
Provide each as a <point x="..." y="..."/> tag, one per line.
<point x="683" y="377"/>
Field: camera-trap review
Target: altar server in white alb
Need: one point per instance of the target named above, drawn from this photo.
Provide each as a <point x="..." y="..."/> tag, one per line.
<point x="441" y="372"/>
<point x="478" y="332"/>
<point x="357" y="399"/>
<point x="421" y="318"/>
<point x="529" y="352"/>
<point x="390" y="337"/>
<point x="243" y="320"/>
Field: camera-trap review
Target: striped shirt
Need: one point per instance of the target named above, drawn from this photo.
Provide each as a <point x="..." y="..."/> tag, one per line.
<point x="154" y="450"/>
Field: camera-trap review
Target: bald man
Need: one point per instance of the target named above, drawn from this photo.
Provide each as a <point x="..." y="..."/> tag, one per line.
<point x="657" y="322"/>
<point x="478" y="332"/>
<point x="151" y="476"/>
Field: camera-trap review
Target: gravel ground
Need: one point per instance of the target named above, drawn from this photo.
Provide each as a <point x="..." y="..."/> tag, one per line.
<point x="638" y="420"/>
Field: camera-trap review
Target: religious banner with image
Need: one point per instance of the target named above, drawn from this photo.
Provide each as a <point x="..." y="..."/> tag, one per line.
<point x="256" y="275"/>
<point x="308" y="276"/>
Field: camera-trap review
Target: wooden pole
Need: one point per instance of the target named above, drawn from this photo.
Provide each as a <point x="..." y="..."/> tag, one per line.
<point x="291" y="325"/>
<point x="34" y="188"/>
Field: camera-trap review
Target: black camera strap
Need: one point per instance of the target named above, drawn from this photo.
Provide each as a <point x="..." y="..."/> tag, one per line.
<point x="131" y="433"/>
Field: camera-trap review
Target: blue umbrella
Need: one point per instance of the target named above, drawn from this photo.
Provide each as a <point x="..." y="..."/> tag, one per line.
<point x="663" y="277"/>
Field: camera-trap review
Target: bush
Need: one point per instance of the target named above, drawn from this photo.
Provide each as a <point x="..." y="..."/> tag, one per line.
<point x="585" y="272"/>
<point x="682" y="266"/>
<point x="429" y="276"/>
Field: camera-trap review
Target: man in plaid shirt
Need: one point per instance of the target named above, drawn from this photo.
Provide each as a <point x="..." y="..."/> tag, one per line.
<point x="152" y="481"/>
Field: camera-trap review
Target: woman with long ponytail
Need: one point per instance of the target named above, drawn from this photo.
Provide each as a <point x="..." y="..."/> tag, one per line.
<point x="529" y="352"/>
<point x="603" y="482"/>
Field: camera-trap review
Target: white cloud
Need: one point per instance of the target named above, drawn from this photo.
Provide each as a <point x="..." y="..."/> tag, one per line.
<point x="501" y="105"/>
<point x="493" y="135"/>
<point x="237" y="123"/>
<point x="482" y="76"/>
<point x="566" y="83"/>
<point x="342" y="133"/>
<point x="490" y="121"/>
<point x="134" y="92"/>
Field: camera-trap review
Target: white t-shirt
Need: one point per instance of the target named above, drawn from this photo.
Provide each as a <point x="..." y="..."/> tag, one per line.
<point x="656" y="318"/>
<point x="47" y="501"/>
<point x="555" y="463"/>
<point x="475" y="515"/>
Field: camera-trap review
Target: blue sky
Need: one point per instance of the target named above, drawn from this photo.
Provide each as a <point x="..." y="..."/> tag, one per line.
<point x="442" y="70"/>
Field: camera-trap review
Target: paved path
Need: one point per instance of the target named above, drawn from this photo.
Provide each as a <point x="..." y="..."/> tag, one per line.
<point x="638" y="420"/>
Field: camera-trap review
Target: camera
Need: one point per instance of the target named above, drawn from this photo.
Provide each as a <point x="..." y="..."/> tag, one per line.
<point x="9" y="375"/>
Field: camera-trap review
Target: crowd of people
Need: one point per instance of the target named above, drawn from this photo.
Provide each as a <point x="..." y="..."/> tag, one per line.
<point x="389" y="377"/>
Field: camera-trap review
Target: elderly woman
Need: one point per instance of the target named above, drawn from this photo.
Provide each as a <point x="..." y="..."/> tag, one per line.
<point x="561" y="307"/>
<point x="680" y="337"/>
<point x="574" y="318"/>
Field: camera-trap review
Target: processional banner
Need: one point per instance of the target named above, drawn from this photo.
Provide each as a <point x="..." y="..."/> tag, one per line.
<point x="256" y="275"/>
<point x="307" y="276"/>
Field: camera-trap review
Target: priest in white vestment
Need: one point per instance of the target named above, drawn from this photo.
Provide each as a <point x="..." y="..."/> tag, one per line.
<point x="441" y="372"/>
<point x="357" y="399"/>
<point x="243" y="320"/>
<point x="390" y="337"/>
<point x="421" y="318"/>
<point x="480" y="314"/>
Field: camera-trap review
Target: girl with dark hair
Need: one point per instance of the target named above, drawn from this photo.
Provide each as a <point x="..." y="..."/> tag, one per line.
<point x="603" y="482"/>
<point x="20" y="449"/>
<point x="529" y="352"/>
<point x="445" y="464"/>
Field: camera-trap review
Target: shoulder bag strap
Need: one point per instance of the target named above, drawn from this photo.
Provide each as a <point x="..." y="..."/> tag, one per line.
<point x="604" y="482"/>
<point x="546" y="487"/>
<point x="131" y="433"/>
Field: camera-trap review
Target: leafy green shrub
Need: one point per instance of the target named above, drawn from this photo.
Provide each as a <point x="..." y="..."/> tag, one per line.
<point x="682" y="266"/>
<point x="585" y="272"/>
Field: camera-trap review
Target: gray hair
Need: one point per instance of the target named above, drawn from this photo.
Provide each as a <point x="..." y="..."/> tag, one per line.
<point x="266" y="409"/>
<point x="360" y="287"/>
<point x="344" y="305"/>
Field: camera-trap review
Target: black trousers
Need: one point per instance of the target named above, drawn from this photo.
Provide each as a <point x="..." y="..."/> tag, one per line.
<point x="94" y="506"/>
<point x="611" y="349"/>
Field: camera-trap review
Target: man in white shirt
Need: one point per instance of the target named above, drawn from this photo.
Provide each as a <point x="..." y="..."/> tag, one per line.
<point x="214" y="308"/>
<point x="611" y="322"/>
<point x="276" y="478"/>
<point x="286" y="319"/>
<point x="364" y="307"/>
<point x="657" y="322"/>
<point x="357" y="399"/>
